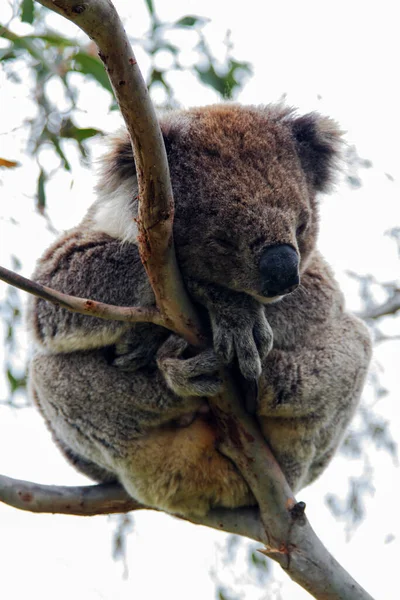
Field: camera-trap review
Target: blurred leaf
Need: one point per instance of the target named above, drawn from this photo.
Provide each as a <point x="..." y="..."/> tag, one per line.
<point x="158" y="76"/>
<point x="210" y="77"/>
<point x="389" y="538"/>
<point x="190" y="21"/>
<point x="150" y="6"/>
<point x="232" y="78"/>
<point x="125" y="525"/>
<point x="89" y="65"/>
<point x="354" y="181"/>
<point x="28" y="11"/>
<point x="15" y="382"/>
<point x="69" y="130"/>
<point x="60" y="152"/>
<point x="224" y="594"/>
<point x="8" y="164"/>
<point x="16" y="263"/>
<point x="226" y="83"/>
<point x="51" y="38"/>
<point x="259" y="560"/>
<point x="84" y="133"/>
<point x="41" y="193"/>
<point x="7" y="54"/>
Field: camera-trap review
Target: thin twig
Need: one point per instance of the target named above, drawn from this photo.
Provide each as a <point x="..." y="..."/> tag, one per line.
<point x="390" y="307"/>
<point x="83" y="306"/>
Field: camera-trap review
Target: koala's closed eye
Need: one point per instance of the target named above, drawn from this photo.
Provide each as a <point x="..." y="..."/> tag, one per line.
<point x="301" y="228"/>
<point x="222" y="242"/>
<point x="302" y="225"/>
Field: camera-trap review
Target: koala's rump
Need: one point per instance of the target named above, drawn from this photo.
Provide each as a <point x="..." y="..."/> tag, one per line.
<point x="180" y="470"/>
<point x="173" y="468"/>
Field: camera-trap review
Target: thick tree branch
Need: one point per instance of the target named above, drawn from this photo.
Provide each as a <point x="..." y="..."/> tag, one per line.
<point x="89" y="500"/>
<point x="100" y="21"/>
<point x="109" y="498"/>
<point x="282" y="526"/>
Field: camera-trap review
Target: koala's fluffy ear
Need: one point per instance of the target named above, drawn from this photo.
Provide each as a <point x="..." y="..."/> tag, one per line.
<point x="118" y="164"/>
<point x="318" y="141"/>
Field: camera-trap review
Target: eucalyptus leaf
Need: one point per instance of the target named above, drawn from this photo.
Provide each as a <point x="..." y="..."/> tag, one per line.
<point x="27" y="11"/>
<point x="93" y="67"/>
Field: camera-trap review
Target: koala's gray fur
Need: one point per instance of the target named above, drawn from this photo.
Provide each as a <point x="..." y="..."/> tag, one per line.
<point x="127" y="402"/>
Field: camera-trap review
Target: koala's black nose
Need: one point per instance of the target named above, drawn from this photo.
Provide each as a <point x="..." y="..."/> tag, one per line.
<point x="279" y="266"/>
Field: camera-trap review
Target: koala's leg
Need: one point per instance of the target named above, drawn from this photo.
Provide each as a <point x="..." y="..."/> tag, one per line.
<point x="307" y="396"/>
<point x="195" y="376"/>
<point x="138" y="347"/>
<point x="98" y="410"/>
<point x="130" y="425"/>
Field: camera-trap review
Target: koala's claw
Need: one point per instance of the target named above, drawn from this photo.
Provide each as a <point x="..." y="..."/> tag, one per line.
<point x="224" y="344"/>
<point x="263" y="336"/>
<point x="173" y="347"/>
<point x="196" y="376"/>
<point x="248" y="336"/>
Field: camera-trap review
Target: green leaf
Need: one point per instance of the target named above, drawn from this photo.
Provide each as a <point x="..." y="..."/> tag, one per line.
<point x="28" y="11"/>
<point x="89" y="65"/>
<point x="79" y="134"/>
<point x="83" y="133"/>
<point x="190" y="21"/>
<point x="15" y="382"/>
<point x="210" y="77"/>
<point x="226" y="83"/>
<point x="150" y="6"/>
<point x="7" y="54"/>
<point x="60" y="153"/>
<point x="41" y="193"/>
<point x="259" y="560"/>
<point x="51" y="38"/>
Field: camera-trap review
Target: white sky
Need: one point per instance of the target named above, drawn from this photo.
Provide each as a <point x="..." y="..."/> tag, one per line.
<point x="337" y="57"/>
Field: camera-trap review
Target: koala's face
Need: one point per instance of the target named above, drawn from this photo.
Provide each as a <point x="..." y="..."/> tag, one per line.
<point x="244" y="182"/>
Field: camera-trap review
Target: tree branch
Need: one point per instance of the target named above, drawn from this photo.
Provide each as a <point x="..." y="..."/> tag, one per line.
<point x="84" y="306"/>
<point x="282" y="525"/>
<point x="89" y="500"/>
<point x="110" y="498"/>
<point x="390" y="307"/>
<point x="100" y="21"/>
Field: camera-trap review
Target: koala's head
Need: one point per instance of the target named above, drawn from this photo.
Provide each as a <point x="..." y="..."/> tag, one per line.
<point x="245" y="181"/>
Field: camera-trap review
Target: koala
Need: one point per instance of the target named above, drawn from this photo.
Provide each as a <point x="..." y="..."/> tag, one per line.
<point x="128" y="402"/>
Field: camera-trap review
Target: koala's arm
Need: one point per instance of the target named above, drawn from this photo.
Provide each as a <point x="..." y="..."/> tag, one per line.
<point x="239" y="326"/>
<point x="88" y="265"/>
<point x="322" y="377"/>
<point x="309" y="394"/>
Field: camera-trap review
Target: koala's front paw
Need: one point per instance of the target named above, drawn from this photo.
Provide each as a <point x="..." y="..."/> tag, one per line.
<point x="196" y="376"/>
<point x="132" y="360"/>
<point x="137" y="349"/>
<point x="244" y="332"/>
